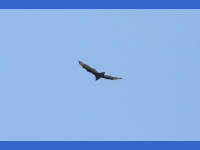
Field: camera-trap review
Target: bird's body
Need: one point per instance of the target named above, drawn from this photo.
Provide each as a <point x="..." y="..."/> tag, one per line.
<point x="97" y="74"/>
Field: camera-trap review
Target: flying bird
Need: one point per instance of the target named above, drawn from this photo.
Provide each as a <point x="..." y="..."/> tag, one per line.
<point x="97" y="74"/>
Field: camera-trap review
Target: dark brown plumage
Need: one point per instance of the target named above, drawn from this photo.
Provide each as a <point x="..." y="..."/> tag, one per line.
<point x="97" y="74"/>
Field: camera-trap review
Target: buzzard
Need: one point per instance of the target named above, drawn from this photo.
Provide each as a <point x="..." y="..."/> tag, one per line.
<point x="97" y="74"/>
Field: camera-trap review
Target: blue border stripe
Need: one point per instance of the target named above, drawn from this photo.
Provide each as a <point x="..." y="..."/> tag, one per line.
<point x="99" y="4"/>
<point x="104" y="145"/>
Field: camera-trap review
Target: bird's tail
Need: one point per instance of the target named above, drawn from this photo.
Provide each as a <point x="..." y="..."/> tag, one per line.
<point x="97" y="78"/>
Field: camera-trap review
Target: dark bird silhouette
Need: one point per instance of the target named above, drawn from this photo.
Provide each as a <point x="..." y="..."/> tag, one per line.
<point x="97" y="74"/>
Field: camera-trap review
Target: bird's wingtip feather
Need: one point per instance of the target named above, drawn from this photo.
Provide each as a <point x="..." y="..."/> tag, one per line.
<point x="80" y="62"/>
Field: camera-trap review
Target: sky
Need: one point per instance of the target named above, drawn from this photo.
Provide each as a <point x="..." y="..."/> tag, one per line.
<point x="46" y="95"/>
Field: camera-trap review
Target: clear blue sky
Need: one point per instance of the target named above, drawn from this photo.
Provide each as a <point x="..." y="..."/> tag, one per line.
<point x="45" y="94"/>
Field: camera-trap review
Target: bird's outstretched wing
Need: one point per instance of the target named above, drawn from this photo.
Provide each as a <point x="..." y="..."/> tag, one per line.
<point x="88" y="68"/>
<point x="111" y="77"/>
